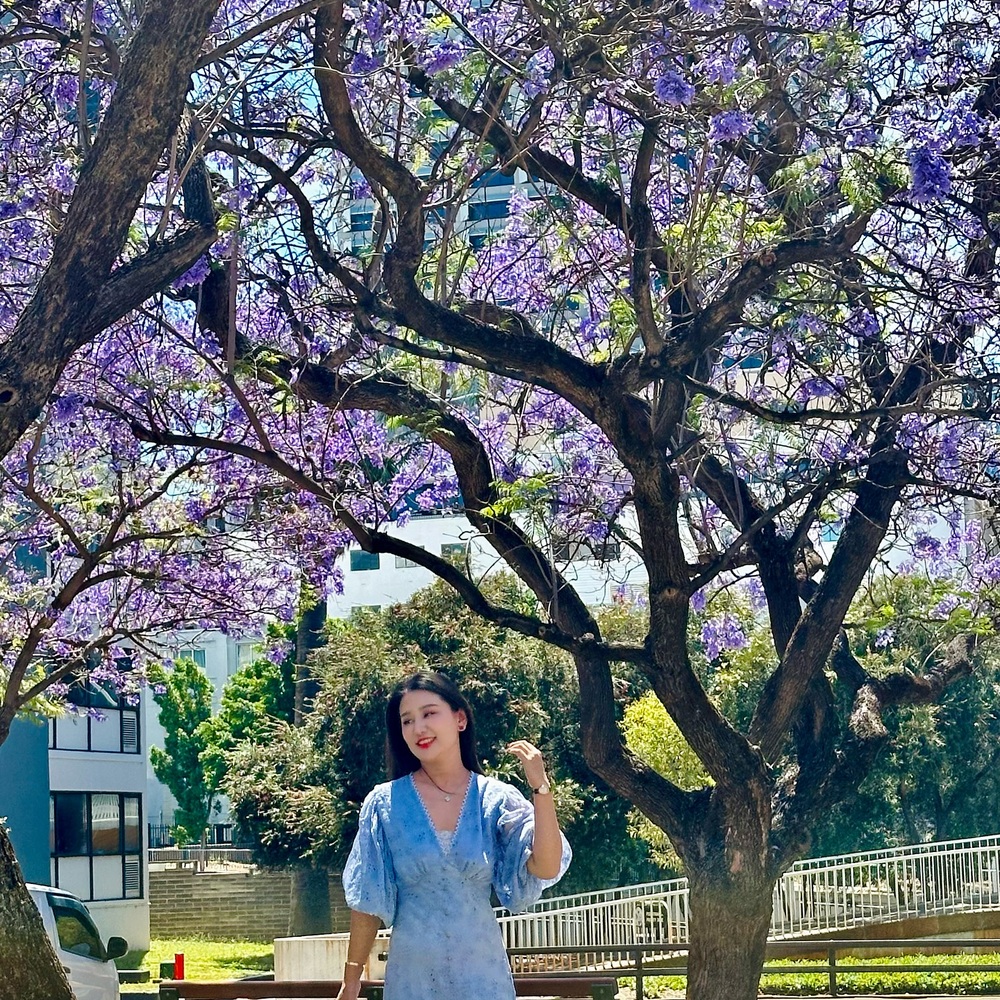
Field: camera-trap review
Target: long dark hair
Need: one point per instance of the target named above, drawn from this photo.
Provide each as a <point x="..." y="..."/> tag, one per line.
<point x="399" y="759"/>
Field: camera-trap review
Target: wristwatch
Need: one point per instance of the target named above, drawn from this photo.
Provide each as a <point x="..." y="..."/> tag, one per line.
<point x="543" y="789"/>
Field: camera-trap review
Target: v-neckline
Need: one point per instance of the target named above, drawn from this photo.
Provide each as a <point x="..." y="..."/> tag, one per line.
<point x="427" y="814"/>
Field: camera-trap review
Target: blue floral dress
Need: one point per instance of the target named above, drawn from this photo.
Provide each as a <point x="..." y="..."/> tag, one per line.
<point x="435" y="894"/>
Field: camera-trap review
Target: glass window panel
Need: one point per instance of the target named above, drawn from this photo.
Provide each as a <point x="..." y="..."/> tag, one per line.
<point x="133" y="831"/>
<point x="106" y="733"/>
<point x="246" y="653"/>
<point x="105" y="813"/>
<point x="480" y="210"/>
<point x="70" y="820"/>
<point x="72" y="732"/>
<point x="361" y="560"/>
<point x="103" y="696"/>
<point x="192" y="653"/>
<point x="75" y="929"/>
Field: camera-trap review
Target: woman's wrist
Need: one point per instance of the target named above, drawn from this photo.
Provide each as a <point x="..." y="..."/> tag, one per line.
<point x="353" y="970"/>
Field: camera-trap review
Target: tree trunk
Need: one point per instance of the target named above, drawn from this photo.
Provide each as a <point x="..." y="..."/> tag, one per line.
<point x="309" y="912"/>
<point x="29" y="967"/>
<point x="728" y="935"/>
<point x="310" y="903"/>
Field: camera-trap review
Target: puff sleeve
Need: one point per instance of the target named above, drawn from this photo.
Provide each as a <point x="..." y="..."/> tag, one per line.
<point x="369" y="876"/>
<point x="515" y="886"/>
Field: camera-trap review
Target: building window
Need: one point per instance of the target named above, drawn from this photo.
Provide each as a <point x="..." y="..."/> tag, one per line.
<point x="479" y="210"/>
<point x="114" y="730"/>
<point x="95" y="842"/>
<point x="403" y="563"/>
<point x="361" y="222"/>
<point x="492" y="178"/>
<point x="456" y="551"/>
<point x="193" y="653"/>
<point x="361" y="560"/>
<point x="246" y="653"/>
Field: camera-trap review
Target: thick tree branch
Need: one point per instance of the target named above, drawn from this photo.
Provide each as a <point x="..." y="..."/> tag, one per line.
<point x="144" y="111"/>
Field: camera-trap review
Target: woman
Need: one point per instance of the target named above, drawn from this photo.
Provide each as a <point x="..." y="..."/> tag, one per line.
<point x="431" y="844"/>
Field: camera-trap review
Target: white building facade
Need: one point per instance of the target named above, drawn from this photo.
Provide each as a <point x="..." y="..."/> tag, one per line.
<point x="97" y="826"/>
<point x="374" y="582"/>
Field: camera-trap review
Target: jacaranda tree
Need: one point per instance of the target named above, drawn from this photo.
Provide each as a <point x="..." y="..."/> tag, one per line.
<point x="740" y="321"/>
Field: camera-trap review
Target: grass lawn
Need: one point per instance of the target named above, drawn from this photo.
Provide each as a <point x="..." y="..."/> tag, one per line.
<point x="805" y="984"/>
<point x="203" y="959"/>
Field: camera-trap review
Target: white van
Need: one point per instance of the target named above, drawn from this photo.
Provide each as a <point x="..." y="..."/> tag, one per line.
<point x="88" y="963"/>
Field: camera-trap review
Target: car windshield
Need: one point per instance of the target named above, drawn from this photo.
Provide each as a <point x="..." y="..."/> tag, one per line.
<point x="75" y="929"/>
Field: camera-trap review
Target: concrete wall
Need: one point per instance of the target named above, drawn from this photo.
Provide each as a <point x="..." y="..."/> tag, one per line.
<point x="252" y="905"/>
<point x="24" y="796"/>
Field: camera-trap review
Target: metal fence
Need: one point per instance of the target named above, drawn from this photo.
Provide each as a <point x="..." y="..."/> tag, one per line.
<point x="814" y="897"/>
<point x="213" y="856"/>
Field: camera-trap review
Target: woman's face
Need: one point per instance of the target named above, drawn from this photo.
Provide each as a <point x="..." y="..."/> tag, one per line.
<point x="430" y="726"/>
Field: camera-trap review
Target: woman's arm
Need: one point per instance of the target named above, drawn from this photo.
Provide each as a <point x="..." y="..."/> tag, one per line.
<point x="364" y="927"/>
<point x="546" y="848"/>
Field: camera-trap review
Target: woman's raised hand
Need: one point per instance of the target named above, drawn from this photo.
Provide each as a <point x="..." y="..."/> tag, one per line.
<point x="531" y="760"/>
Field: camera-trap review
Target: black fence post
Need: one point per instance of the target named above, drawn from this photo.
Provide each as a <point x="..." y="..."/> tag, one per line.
<point x="640" y="985"/>
<point x="832" y="957"/>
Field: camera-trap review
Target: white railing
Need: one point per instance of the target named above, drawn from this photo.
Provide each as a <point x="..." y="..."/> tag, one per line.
<point x="201" y="857"/>
<point x="814" y="897"/>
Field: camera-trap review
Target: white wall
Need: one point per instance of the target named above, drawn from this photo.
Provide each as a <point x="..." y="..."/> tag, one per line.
<point x="391" y="584"/>
<point x="222" y="660"/>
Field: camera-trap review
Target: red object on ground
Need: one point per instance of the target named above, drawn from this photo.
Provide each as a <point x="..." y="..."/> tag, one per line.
<point x="179" y="965"/>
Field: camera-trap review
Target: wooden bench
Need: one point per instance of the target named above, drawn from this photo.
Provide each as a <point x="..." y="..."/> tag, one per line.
<point x="539" y="985"/>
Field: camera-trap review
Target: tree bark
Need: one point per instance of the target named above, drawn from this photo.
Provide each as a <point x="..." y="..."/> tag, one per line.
<point x="30" y="968"/>
<point x="728" y="934"/>
<point x="309" y="912"/>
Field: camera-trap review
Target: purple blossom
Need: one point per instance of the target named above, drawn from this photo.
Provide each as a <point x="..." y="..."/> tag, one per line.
<point x="821" y="387"/>
<point x="590" y="330"/>
<point x="445" y="56"/>
<point x="728" y="126"/>
<point x="63" y="177"/>
<point x="755" y="591"/>
<point x="722" y="633"/>
<point x="673" y="90"/>
<point x="374" y="22"/>
<point x="537" y="71"/>
<point x="710" y="8"/>
<point x="947" y="605"/>
<point x="195" y="274"/>
<point x="931" y="175"/>
<point x="717" y="68"/>
<point x="66" y="90"/>
<point x="365" y="62"/>
<point x="67" y="407"/>
<point x="863" y="324"/>
<point x="927" y="546"/>
<point x="884" y="637"/>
